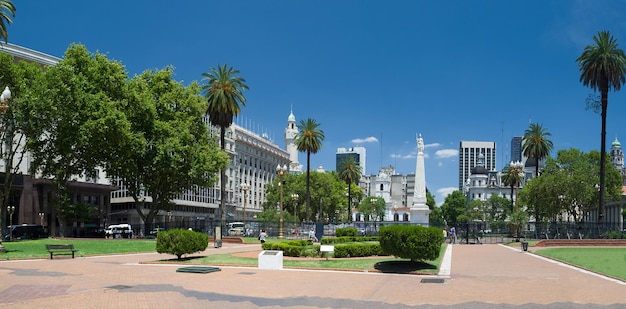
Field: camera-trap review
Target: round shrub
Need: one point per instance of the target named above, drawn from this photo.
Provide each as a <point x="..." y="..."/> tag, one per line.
<point x="411" y="241"/>
<point x="179" y="242"/>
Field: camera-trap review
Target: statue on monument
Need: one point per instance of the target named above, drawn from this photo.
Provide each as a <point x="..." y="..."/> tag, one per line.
<point x="420" y="143"/>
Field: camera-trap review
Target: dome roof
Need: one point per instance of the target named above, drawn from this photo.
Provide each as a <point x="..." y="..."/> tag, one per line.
<point x="530" y="162"/>
<point x="616" y="143"/>
<point x="479" y="170"/>
<point x="291" y="117"/>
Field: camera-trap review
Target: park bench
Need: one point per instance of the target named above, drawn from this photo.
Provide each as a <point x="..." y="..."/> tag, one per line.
<point x="60" y="249"/>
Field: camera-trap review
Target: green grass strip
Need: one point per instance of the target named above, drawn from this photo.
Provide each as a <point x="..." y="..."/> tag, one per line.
<point x="608" y="261"/>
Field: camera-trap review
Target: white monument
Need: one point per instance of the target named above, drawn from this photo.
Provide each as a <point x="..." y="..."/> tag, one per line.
<point x="419" y="210"/>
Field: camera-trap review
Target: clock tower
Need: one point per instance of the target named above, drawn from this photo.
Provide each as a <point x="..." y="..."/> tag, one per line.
<point x="290" y="143"/>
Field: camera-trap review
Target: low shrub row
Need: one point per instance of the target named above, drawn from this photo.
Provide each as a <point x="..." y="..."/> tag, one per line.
<point x="346" y="239"/>
<point x="357" y="250"/>
<point x="293" y="248"/>
<point x="615" y="235"/>
<point x="346" y="231"/>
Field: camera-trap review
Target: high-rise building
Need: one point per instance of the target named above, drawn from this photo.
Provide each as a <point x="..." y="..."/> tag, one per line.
<point x="469" y="152"/>
<point x="516" y="149"/>
<point x="358" y="153"/>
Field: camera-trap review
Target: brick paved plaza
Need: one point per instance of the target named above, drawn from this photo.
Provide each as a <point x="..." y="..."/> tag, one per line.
<point x="480" y="276"/>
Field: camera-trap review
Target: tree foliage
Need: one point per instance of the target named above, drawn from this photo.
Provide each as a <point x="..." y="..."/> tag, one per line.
<point x="167" y="147"/>
<point x="70" y="119"/>
<point x="454" y="207"/>
<point x="568" y="186"/>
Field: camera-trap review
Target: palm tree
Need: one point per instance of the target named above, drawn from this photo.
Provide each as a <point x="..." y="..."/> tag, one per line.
<point x="7" y="10"/>
<point x="350" y="171"/>
<point x="309" y="140"/>
<point x="536" y="145"/>
<point x="514" y="176"/>
<point x="602" y="67"/>
<point x="224" y="93"/>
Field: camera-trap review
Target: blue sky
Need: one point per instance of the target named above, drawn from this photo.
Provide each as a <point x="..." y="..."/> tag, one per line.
<point x="373" y="73"/>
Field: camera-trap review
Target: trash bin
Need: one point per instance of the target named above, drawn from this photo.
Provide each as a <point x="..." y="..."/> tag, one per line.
<point x="524" y="245"/>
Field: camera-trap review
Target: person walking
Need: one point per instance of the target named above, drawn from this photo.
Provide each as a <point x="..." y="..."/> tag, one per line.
<point x="452" y="235"/>
<point x="262" y="236"/>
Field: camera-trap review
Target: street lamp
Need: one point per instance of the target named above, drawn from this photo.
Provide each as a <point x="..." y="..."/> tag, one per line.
<point x="295" y="197"/>
<point x="169" y="219"/>
<point x="41" y="216"/>
<point x="11" y="210"/>
<point x="281" y="171"/>
<point x="244" y="187"/>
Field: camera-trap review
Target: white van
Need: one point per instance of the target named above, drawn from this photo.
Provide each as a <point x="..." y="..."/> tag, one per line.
<point x="118" y="231"/>
<point x="236" y="229"/>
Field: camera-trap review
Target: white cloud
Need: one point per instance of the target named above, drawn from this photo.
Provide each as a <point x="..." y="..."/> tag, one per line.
<point x="432" y="145"/>
<point x="443" y="192"/>
<point x="400" y="156"/>
<point x="370" y="139"/>
<point x="446" y="153"/>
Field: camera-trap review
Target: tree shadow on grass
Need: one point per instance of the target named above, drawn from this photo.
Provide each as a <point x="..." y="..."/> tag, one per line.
<point x="406" y="266"/>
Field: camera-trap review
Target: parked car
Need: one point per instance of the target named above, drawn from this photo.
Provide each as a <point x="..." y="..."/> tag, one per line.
<point x="236" y="229"/>
<point x="26" y="231"/>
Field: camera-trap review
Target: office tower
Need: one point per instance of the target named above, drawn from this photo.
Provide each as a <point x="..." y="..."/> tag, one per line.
<point x="469" y="152"/>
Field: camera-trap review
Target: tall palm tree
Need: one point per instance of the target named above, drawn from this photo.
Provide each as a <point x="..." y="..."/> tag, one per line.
<point x="7" y="10"/>
<point x="309" y="140"/>
<point x="535" y="144"/>
<point x="602" y="67"/>
<point x="224" y="93"/>
<point x="350" y="171"/>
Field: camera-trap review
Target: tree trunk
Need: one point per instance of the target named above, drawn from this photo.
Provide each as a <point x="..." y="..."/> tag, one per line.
<point x="308" y="184"/>
<point x="223" y="183"/>
<point x="605" y="94"/>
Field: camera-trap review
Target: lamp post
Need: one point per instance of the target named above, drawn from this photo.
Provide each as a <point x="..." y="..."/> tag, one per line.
<point x="281" y="171"/>
<point x="4" y="105"/>
<point x="41" y="216"/>
<point x="244" y="187"/>
<point x="295" y="197"/>
<point x="169" y="219"/>
<point x="11" y="210"/>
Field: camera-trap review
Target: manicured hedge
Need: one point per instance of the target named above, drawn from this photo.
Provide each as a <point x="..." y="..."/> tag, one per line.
<point x="357" y="250"/>
<point x="346" y="231"/>
<point x="179" y="242"/>
<point x="346" y="239"/>
<point x="411" y="241"/>
<point x="293" y="248"/>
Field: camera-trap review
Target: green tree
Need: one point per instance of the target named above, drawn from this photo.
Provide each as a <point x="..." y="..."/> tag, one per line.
<point x="568" y="186"/>
<point x="168" y="148"/>
<point x="83" y="130"/>
<point x="602" y="67"/>
<point x="535" y="144"/>
<point x="373" y="207"/>
<point x="224" y="93"/>
<point x="20" y="77"/>
<point x="7" y="11"/>
<point x="350" y="171"/>
<point x="453" y="208"/>
<point x="309" y="139"/>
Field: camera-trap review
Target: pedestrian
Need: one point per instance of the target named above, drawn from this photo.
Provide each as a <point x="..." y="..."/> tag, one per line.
<point x="262" y="236"/>
<point x="312" y="235"/>
<point x="452" y="235"/>
<point x="445" y="235"/>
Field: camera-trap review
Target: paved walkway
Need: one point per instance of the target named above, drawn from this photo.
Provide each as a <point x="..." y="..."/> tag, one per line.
<point x="480" y="276"/>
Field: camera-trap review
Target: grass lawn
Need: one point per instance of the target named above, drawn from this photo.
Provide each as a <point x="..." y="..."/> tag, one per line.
<point x="383" y="264"/>
<point x="28" y="249"/>
<point x="608" y="261"/>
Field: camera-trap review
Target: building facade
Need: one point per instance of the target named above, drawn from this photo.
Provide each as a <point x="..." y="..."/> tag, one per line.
<point x="469" y="151"/>
<point x="358" y="153"/>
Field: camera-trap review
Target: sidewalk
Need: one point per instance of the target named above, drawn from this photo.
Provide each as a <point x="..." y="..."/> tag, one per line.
<point x="479" y="275"/>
